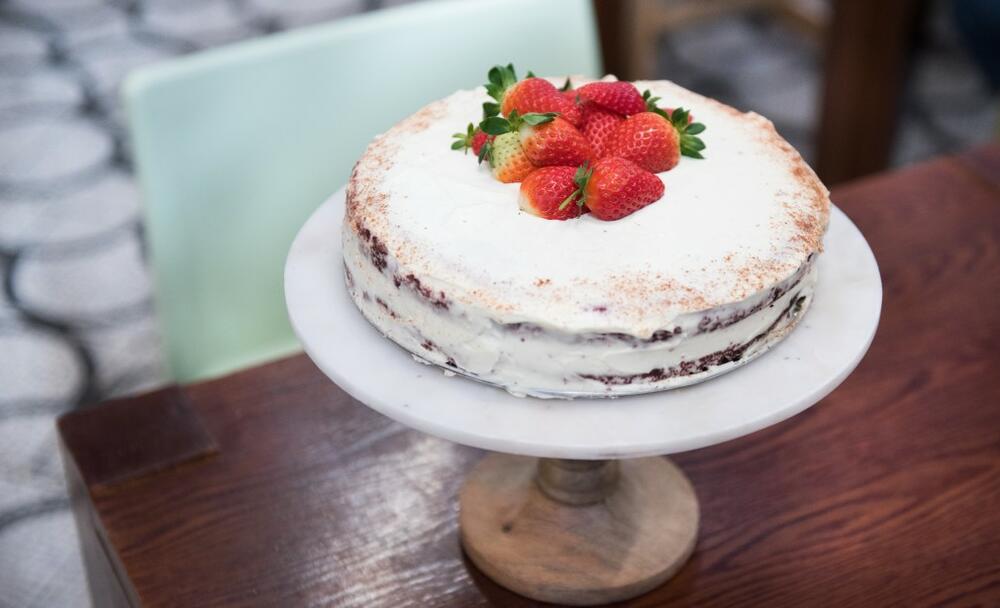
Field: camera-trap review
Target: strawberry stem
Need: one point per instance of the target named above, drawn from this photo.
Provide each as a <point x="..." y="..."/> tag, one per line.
<point x="567" y="200"/>
<point x="580" y="178"/>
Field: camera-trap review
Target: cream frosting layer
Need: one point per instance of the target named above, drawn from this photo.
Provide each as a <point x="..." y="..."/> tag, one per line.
<point x="443" y="262"/>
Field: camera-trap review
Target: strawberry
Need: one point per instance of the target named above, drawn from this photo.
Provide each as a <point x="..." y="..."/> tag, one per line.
<point x="655" y="141"/>
<point x="567" y="90"/>
<point x="555" y="143"/>
<point x="547" y="139"/>
<point x="531" y="95"/>
<point x="548" y="192"/>
<point x="473" y="139"/>
<point x="614" y="188"/>
<point x="574" y="112"/>
<point x="597" y="125"/>
<point x="648" y="140"/>
<point x="575" y="115"/>
<point x="480" y="139"/>
<point x="507" y="159"/>
<point x="619" y="96"/>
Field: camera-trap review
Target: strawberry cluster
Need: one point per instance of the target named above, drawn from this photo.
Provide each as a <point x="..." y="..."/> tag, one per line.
<point x="596" y="148"/>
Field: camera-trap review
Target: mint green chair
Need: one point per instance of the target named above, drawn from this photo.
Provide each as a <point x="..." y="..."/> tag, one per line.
<point x="236" y="146"/>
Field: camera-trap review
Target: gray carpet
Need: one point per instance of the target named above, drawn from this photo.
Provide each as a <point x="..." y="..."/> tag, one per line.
<point x="76" y="318"/>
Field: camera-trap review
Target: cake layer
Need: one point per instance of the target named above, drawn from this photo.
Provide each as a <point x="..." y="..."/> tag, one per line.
<point x="442" y="261"/>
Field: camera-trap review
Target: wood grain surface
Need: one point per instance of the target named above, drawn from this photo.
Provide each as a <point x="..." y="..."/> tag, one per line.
<point x="578" y="552"/>
<point x="887" y="493"/>
<point x="163" y="434"/>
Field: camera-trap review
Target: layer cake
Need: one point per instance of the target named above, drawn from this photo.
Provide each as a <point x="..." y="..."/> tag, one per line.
<point x="439" y="258"/>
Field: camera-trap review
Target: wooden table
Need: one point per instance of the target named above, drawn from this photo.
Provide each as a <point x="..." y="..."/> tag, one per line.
<point x="271" y="487"/>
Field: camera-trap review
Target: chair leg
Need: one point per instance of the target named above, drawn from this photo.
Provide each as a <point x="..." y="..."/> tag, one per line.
<point x="867" y="54"/>
<point x="642" y="34"/>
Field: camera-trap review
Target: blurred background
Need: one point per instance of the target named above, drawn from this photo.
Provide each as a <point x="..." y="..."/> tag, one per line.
<point x="858" y="87"/>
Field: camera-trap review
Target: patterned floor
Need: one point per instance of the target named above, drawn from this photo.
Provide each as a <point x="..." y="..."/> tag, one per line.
<point x="76" y="320"/>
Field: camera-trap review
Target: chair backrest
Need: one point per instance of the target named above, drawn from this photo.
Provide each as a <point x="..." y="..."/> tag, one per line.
<point x="236" y="146"/>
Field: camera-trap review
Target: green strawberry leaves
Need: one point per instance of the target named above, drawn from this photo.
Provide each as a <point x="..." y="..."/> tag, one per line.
<point x="651" y="106"/>
<point x="582" y="175"/>
<point x="463" y="141"/>
<point x="534" y="118"/>
<point x="501" y="78"/>
<point x="498" y="125"/>
<point x="679" y="117"/>
<point x="495" y="125"/>
<point x="486" y="153"/>
<point x="691" y="146"/>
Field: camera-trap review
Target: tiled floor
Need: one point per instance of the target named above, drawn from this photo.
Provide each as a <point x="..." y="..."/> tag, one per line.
<point x="76" y="319"/>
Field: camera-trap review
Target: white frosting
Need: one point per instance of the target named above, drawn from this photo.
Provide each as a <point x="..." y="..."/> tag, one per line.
<point x="728" y="229"/>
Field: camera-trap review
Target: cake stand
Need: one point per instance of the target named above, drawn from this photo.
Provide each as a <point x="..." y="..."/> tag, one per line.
<point x="576" y="506"/>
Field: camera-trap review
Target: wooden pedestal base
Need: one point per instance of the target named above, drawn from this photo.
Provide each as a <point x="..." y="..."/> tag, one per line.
<point x="578" y="532"/>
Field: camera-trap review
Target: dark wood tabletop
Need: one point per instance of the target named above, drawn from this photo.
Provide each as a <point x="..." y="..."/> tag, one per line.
<point x="272" y="487"/>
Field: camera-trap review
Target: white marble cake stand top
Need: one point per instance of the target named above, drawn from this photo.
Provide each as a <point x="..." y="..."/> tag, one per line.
<point x="826" y="346"/>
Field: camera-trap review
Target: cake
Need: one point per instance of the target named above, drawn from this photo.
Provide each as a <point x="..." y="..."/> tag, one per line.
<point x="442" y="260"/>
